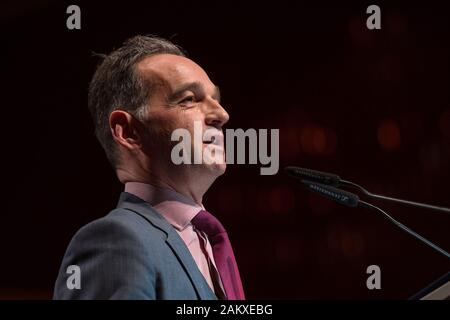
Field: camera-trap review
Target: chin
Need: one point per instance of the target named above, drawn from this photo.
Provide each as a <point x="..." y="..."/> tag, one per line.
<point x="217" y="169"/>
<point x="222" y="168"/>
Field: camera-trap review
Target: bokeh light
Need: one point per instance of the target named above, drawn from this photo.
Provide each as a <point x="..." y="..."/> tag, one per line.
<point x="317" y="140"/>
<point x="389" y="135"/>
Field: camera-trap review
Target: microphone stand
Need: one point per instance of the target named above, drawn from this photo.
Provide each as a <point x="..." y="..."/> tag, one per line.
<point x="352" y="200"/>
<point x="334" y="180"/>
<point x="406" y="202"/>
<point x="367" y="205"/>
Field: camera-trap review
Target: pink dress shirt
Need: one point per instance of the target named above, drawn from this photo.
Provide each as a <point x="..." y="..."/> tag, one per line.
<point x="179" y="210"/>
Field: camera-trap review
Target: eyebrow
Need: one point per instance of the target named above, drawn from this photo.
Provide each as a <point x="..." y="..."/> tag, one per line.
<point x="196" y="88"/>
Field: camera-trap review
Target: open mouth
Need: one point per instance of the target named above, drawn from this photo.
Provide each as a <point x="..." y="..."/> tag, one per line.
<point x="210" y="141"/>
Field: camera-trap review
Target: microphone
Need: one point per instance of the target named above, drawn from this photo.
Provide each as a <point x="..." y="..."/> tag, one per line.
<point x="313" y="176"/>
<point x="335" y="181"/>
<point x="352" y="200"/>
<point x="343" y="197"/>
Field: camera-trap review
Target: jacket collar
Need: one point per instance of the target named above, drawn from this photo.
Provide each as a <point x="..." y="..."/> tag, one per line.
<point x="145" y="210"/>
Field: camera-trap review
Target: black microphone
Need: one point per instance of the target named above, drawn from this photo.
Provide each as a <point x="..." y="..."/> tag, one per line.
<point x="352" y="200"/>
<point x="335" y="181"/>
<point x="343" y="197"/>
<point x="313" y="176"/>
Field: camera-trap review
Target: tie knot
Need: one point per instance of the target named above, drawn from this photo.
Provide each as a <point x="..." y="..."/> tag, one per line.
<point x="207" y="223"/>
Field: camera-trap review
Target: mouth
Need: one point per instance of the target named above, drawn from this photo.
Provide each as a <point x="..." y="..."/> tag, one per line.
<point x="211" y="141"/>
<point x="216" y="139"/>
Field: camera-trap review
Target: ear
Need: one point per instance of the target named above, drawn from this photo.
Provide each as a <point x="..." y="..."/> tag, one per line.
<point x="124" y="129"/>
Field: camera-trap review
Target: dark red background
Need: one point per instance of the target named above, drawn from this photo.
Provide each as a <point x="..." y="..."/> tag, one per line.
<point x="372" y="106"/>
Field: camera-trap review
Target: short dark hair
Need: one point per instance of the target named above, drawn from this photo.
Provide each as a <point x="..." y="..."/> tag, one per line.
<point x="117" y="84"/>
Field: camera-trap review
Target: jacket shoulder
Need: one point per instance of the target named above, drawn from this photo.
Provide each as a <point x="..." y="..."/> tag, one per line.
<point x="122" y="223"/>
<point x="115" y="256"/>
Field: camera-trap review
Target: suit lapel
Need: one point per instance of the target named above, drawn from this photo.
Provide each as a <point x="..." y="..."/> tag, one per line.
<point x="174" y="241"/>
<point x="185" y="258"/>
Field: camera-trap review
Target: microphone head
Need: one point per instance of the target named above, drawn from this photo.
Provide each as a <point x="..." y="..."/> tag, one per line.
<point x="338" y="195"/>
<point x="314" y="176"/>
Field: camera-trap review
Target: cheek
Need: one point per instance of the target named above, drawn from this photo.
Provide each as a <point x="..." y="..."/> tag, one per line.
<point x="162" y="125"/>
<point x="191" y="120"/>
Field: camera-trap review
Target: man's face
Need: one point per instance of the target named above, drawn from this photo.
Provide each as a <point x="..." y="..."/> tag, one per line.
<point x="182" y="94"/>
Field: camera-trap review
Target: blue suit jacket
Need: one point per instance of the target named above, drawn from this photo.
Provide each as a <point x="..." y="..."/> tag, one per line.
<point x="132" y="253"/>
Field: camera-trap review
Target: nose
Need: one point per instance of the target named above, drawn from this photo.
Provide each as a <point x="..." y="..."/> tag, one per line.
<point x="216" y="115"/>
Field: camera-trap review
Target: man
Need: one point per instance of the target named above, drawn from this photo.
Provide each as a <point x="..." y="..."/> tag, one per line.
<point x="160" y="242"/>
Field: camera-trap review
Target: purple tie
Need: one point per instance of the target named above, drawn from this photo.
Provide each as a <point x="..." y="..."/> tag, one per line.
<point x="223" y="254"/>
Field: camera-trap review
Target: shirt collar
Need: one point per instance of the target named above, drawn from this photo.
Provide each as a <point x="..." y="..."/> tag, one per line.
<point x="176" y="208"/>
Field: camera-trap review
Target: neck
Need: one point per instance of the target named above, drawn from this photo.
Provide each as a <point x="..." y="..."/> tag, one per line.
<point x="186" y="182"/>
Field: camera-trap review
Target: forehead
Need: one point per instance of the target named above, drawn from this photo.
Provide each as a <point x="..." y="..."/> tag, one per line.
<point x="173" y="70"/>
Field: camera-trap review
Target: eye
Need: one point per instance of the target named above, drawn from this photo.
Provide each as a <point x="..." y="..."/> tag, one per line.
<point x="188" y="99"/>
